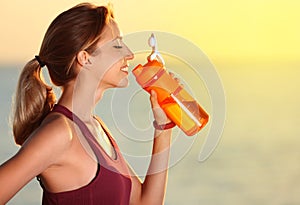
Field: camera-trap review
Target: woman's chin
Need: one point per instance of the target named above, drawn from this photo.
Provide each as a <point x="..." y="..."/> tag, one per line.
<point x="123" y="83"/>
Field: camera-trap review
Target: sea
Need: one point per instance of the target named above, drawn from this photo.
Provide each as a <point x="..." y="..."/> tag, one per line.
<point x="255" y="162"/>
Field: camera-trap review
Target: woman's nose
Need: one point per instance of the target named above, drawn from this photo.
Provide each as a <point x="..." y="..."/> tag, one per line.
<point x="130" y="55"/>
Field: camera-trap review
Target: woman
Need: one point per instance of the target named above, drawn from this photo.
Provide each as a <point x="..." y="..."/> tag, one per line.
<point x="62" y="144"/>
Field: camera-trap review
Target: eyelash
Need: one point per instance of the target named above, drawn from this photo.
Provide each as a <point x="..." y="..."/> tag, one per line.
<point x="119" y="44"/>
<point x="118" y="47"/>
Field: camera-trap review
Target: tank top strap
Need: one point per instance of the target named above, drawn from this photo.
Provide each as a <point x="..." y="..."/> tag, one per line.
<point x="66" y="112"/>
<point x="83" y="128"/>
<point x="107" y="132"/>
<point x="119" y="163"/>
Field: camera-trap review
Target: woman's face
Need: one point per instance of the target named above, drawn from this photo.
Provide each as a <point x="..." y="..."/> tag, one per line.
<point x="111" y="58"/>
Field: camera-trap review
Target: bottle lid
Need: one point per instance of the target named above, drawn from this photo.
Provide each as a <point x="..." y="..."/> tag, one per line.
<point x="154" y="54"/>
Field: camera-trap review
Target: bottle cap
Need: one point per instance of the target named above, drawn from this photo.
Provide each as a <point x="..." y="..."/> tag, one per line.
<point x="154" y="54"/>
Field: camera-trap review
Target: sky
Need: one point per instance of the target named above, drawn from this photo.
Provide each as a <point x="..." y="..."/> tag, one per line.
<point x="260" y="145"/>
<point x="227" y="31"/>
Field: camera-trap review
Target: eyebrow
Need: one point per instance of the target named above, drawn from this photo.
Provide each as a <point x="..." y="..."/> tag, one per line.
<point x="96" y="52"/>
<point x="118" y="37"/>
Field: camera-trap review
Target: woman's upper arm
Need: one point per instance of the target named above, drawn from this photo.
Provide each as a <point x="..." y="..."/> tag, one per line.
<point x="41" y="150"/>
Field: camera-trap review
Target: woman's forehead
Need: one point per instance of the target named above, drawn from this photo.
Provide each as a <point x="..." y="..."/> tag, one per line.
<point x="109" y="32"/>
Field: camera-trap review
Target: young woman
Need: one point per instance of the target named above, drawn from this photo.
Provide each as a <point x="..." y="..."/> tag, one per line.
<point x="63" y="144"/>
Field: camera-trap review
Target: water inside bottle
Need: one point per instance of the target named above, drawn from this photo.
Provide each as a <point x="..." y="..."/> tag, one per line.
<point x="181" y="115"/>
<point x="183" y="111"/>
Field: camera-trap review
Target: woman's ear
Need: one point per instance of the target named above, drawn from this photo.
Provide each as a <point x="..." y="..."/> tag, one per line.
<point x="83" y="58"/>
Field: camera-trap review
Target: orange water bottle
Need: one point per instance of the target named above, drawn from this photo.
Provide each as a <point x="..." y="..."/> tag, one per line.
<point x="177" y="103"/>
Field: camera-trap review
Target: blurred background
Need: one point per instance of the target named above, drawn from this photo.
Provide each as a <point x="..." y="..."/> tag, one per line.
<point x="255" y="47"/>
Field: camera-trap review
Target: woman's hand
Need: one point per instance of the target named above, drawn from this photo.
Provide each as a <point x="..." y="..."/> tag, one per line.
<point x="159" y="115"/>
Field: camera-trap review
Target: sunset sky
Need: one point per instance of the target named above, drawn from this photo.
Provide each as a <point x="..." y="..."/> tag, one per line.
<point x="255" y="48"/>
<point x="233" y="30"/>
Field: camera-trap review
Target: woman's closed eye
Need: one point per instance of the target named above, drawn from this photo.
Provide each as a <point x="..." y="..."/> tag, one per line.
<point x="119" y="44"/>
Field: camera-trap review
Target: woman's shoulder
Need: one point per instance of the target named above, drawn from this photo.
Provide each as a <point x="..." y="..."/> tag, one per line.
<point x="45" y="146"/>
<point x="54" y="119"/>
<point x="56" y="125"/>
<point x="55" y="131"/>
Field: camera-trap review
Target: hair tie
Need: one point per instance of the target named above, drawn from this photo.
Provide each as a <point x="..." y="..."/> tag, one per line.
<point x="42" y="64"/>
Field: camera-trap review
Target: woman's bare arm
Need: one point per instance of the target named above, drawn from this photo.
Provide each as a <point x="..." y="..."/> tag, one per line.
<point x="40" y="151"/>
<point x="152" y="191"/>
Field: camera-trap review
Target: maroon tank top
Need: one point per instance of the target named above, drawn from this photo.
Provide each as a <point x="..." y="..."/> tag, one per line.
<point x="112" y="183"/>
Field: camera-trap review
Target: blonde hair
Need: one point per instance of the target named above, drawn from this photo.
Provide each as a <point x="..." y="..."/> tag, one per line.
<point x="76" y="29"/>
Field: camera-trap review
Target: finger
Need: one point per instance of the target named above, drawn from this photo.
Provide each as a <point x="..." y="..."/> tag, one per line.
<point x="177" y="80"/>
<point x="153" y="99"/>
<point x="171" y="74"/>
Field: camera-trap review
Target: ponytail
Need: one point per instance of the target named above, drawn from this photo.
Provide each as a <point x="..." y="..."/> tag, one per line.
<point x="33" y="101"/>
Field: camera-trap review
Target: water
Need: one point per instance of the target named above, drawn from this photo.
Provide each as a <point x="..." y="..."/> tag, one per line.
<point x="186" y="114"/>
<point x="256" y="161"/>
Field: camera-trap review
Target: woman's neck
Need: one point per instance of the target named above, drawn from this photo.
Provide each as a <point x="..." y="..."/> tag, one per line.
<point x="80" y="99"/>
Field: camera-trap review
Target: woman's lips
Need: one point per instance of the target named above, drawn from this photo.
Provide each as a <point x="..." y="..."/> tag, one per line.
<point x="124" y="68"/>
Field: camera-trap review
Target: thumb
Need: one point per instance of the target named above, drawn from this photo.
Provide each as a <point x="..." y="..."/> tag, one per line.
<point x="153" y="99"/>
